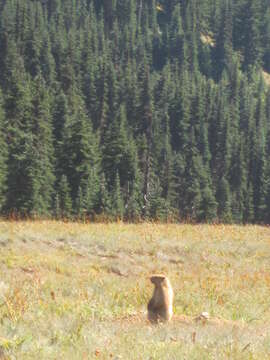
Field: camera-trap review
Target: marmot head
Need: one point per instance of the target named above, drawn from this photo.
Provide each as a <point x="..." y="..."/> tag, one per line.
<point x="159" y="279"/>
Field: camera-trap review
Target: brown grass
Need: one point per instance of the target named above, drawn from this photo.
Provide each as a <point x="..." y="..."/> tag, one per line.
<point x="79" y="291"/>
<point x="266" y="77"/>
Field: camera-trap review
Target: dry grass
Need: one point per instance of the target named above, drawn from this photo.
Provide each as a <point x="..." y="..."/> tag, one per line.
<point x="207" y="39"/>
<point x="75" y="291"/>
<point x="266" y="77"/>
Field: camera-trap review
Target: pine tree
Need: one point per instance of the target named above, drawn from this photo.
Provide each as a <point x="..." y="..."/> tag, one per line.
<point x="79" y="147"/>
<point x="90" y="93"/>
<point x="238" y="182"/>
<point x="145" y="127"/>
<point x="162" y="148"/>
<point x="3" y="155"/>
<point x="32" y="54"/>
<point x="220" y="135"/>
<point x="113" y="91"/>
<point x="249" y="205"/>
<point x="156" y="206"/>
<point x="178" y="47"/>
<point x="247" y="31"/>
<point x="131" y="96"/>
<point x="191" y="192"/>
<point x="224" y="201"/>
<point x="154" y="109"/>
<point x="64" y="199"/>
<point x="266" y="39"/>
<point x="117" y="202"/>
<point x="134" y="202"/>
<point x="223" y="52"/>
<point x="118" y="156"/>
<point x="80" y="205"/>
<point x="87" y="200"/>
<point x="47" y="62"/>
<point x="191" y="23"/>
<point x="18" y="114"/>
<point x="104" y="200"/>
<point x="208" y="206"/>
<point x="259" y="168"/>
<point x="42" y="160"/>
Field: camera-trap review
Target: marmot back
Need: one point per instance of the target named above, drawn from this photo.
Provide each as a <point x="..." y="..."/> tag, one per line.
<point x="160" y="307"/>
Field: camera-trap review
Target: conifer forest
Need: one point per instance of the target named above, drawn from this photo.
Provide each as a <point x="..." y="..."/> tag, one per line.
<point x="135" y="110"/>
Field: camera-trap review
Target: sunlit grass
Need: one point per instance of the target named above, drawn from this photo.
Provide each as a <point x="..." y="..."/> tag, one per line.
<point x="79" y="291"/>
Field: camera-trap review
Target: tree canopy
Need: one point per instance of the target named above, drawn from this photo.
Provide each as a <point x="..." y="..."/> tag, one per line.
<point x="135" y="109"/>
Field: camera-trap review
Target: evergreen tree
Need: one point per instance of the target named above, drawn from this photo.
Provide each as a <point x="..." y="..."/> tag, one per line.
<point x="224" y="201"/>
<point x="117" y="202"/>
<point x="249" y="205"/>
<point x="191" y="194"/>
<point x="117" y="152"/>
<point x="178" y="48"/>
<point x="224" y="48"/>
<point x="18" y="114"/>
<point x="79" y="147"/>
<point x="104" y="200"/>
<point x="208" y="206"/>
<point x="41" y="157"/>
<point x="134" y="202"/>
<point x="130" y="109"/>
<point x="247" y="36"/>
<point x="64" y="202"/>
<point x="3" y="155"/>
<point x="266" y="39"/>
<point x="156" y="206"/>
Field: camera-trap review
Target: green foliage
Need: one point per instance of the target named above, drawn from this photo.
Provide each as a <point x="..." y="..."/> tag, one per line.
<point x="41" y="171"/>
<point x="135" y="109"/>
<point x="104" y="200"/>
<point x="63" y="199"/>
<point x="117" y="203"/>
<point x="224" y="201"/>
<point x="117" y="152"/>
<point x="20" y="140"/>
<point x="3" y="155"/>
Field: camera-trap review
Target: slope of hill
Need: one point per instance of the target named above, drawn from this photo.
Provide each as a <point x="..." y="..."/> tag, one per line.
<point x="135" y="109"/>
<point x="74" y="291"/>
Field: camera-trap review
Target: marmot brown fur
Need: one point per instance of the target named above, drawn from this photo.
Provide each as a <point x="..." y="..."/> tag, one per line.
<point x="160" y="307"/>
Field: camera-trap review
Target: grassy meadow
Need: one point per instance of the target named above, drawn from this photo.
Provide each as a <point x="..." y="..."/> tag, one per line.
<point x="79" y="291"/>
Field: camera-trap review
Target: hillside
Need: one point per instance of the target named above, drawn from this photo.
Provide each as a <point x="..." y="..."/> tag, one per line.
<point x="126" y="109"/>
<point x="74" y="291"/>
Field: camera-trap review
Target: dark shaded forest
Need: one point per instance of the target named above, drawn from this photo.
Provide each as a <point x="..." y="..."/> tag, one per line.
<point x="135" y="109"/>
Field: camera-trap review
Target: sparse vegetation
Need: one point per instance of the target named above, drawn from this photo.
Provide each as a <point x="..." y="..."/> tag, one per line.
<point x="79" y="291"/>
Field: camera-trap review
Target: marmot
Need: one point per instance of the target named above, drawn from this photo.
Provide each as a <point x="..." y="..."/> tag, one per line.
<point x="160" y="307"/>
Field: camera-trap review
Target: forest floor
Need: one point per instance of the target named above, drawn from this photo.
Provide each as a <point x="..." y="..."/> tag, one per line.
<point x="79" y="291"/>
